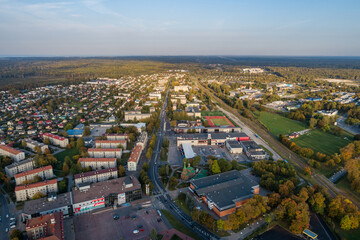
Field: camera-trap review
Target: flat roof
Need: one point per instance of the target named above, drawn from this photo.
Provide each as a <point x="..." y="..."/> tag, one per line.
<point x="103" y="189"/>
<point x="225" y="189"/>
<point x="234" y="144"/>
<point x="212" y="135"/>
<point x="310" y="234"/>
<point x="43" y="204"/>
<point x="188" y="151"/>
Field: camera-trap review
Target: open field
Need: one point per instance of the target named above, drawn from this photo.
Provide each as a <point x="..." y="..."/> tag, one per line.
<point x="323" y="142"/>
<point x="278" y="124"/>
<point x="218" y="121"/>
<point x="61" y="156"/>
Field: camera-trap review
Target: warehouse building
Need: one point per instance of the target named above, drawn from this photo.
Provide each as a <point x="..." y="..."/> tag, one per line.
<point x="210" y="138"/>
<point x="88" y="197"/>
<point x="12" y="153"/>
<point x="28" y="176"/>
<point x="97" y="163"/>
<point x="96" y="176"/>
<point x="253" y="150"/>
<point x="105" y="152"/>
<point x="234" y="147"/>
<point x="26" y="192"/>
<point x="224" y="192"/>
<point x="18" y="167"/>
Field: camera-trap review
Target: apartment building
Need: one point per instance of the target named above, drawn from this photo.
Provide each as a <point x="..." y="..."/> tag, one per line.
<point x="142" y="140"/>
<point x="135" y="115"/>
<point x="183" y="88"/>
<point x="32" y="144"/>
<point x="117" y="136"/>
<point x="105" y="152"/>
<point x="134" y="158"/>
<point x="18" y="167"/>
<point x="110" y="143"/>
<point x="43" y="172"/>
<point x="155" y="95"/>
<point x="97" y="163"/>
<point x="49" y="226"/>
<point x="26" y="192"/>
<point x="96" y="176"/>
<point x="56" y="140"/>
<point x="12" y="153"/>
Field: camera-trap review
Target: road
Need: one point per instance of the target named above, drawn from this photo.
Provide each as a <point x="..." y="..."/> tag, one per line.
<point x="5" y="222"/>
<point x="159" y="190"/>
<point x="349" y="128"/>
<point x="282" y="150"/>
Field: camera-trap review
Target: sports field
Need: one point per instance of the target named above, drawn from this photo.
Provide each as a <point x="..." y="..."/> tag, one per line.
<point x="278" y="124"/>
<point x="323" y="142"/>
<point x="218" y="121"/>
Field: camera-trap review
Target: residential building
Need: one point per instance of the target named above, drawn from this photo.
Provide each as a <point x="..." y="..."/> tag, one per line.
<point x="117" y="136"/>
<point x="134" y="158"/>
<point x="97" y="163"/>
<point x="88" y="197"/>
<point x="32" y="144"/>
<point x="224" y="192"/>
<point x="193" y="112"/>
<point x="18" y="167"/>
<point x="110" y="143"/>
<point x="56" y="140"/>
<point x="105" y="152"/>
<point x="12" y="153"/>
<point x="142" y="140"/>
<point x="96" y="176"/>
<point x="183" y="88"/>
<point x="28" y="176"/>
<point x="26" y="192"/>
<point x="43" y="206"/>
<point x="47" y="227"/>
<point x="135" y="115"/>
<point x="155" y="95"/>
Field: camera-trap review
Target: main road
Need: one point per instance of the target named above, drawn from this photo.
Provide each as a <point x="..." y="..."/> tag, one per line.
<point x="4" y="222"/>
<point x="159" y="189"/>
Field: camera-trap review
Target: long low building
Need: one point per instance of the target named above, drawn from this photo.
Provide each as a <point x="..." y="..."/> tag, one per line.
<point x="56" y="140"/>
<point x="51" y="204"/>
<point x="224" y="192"/>
<point x="110" y="143"/>
<point x="117" y="136"/>
<point x="142" y="139"/>
<point x="97" y="163"/>
<point x="134" y="158"/>
<point x="89" y="197"/>
<point x="18" y="167"/>
<point x="105" y="152"/>
<point x="210" y="138"/>
<point x="253" y="150"/>
<point x="202" y="129"/>
<point x="12" y="153"/>
<point x="43" y="172"/>
<point x="96" y="176"/>
<point x="135" y="115"/>
<point x="26" y="192"/>
<point x="234" y="147"/>
<point x="33" y="145"/>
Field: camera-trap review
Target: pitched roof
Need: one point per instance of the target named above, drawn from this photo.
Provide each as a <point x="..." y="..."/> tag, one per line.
<point x="34" y="185"/>
<point x="33" y="171"/>
<point x="97" y="159"/>
<point x="135" y="154"/>
<point x="104" y="150"/>
<point x="10" y="149"/>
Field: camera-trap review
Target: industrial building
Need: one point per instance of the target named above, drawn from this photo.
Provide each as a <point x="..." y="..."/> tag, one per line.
<point x="210" y="138"/>
<point x="224" y="192"/>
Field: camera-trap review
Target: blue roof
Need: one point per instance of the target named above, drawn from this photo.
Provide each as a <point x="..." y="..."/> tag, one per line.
<point x="310" y="233"/>
<point x="75" y="132"/>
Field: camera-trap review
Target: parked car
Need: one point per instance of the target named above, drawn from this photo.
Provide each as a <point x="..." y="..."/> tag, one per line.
<point x="116" y="217"/>
<point x="6" y="229"/>
<point x="136" y="231"/>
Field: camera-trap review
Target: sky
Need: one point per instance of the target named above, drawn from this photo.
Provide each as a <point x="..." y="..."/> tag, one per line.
<point x="179" y="27"/>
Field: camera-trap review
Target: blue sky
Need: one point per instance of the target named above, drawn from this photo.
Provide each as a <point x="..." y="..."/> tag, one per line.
<point x="174" y="27"/>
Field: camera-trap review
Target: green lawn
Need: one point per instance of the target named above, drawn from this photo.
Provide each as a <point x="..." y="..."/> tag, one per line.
<point x="61" y="156"/>
<point x="323" y="142"/>
<point x="278" y="124"/>
<point x="178" y="225"/>
<point x="220" y="122"/>
<point x="212" y="113"/>
<point x="344" y="185"/>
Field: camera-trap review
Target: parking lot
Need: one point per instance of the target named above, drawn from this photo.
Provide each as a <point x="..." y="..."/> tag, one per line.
<point x="101" y="225"/>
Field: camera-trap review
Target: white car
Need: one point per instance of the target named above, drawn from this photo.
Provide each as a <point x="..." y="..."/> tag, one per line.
<point x="6" y="229"/>
<point x="136" y="231"/>
<point x="7" y="215"/>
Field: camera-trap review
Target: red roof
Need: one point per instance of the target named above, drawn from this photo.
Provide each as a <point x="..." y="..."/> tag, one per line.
<point x="38" y="184"/>
<point x="49" y="135"/>
<point x="97" y="159"/>
<point x="33" y="171"/>
<point x="111" y="141"/>
<point x="10" y="149"/>
<point x="104" y="150"/>
<point x="135" y="153"/>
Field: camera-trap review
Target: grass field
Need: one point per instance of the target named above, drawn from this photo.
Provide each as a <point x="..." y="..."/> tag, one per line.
<point x="212" y="113"/>
<point x="278" y="124"/>
<point x="323" y="142"/>
<point x="220" y="122"/>
<point x="61" y="156"/>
